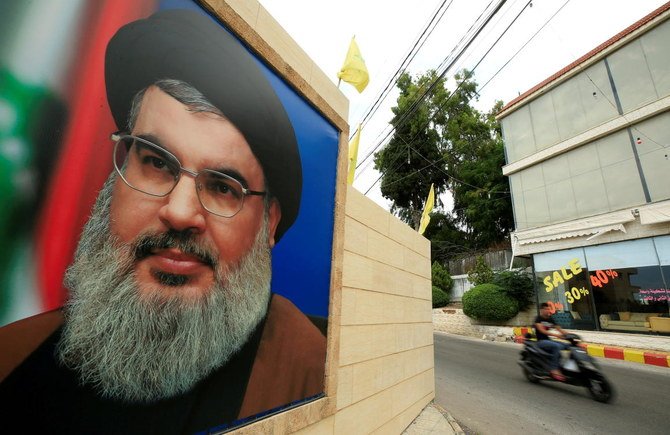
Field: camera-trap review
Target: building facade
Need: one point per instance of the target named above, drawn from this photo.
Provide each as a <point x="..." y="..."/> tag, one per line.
<point x="588" y="159"/>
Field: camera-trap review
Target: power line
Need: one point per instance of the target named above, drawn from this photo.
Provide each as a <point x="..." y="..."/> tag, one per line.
<point x="414" y="106"/>
<point x="418" y="44"/>
<point x="449" y="98"/>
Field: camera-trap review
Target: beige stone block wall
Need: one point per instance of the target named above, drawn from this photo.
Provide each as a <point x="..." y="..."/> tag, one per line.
<point x="381" y="335"/>
<point x="379" y="369"/>
<point x="386" y="357"/>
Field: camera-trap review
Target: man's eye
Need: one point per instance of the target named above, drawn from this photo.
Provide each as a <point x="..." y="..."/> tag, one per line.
<point x="154" y="161"/>
<point x="222" y="188"/>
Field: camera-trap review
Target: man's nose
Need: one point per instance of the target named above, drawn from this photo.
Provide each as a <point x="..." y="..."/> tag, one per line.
<point x="182" y="209"/>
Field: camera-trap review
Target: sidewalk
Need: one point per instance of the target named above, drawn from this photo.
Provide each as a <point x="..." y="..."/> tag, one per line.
<point x="434" y="420"/>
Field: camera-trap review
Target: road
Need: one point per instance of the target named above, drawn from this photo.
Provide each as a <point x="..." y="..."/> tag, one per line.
<point x="483" y="388"/>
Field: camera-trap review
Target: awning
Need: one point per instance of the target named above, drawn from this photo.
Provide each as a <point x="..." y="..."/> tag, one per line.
<point x="592" y="227"/>
<point x="655" y="213"/>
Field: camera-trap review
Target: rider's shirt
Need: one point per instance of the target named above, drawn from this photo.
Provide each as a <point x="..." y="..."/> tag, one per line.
<point x="547" y="323"/>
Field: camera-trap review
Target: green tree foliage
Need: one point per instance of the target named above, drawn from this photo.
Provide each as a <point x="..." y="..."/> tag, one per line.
<point x="481" y="273"/>
<point x="442" y="284"/>
<point x="481" y="192"/>
<point x="440" y="298"/>
<point x="445" y="141"/>
<point x="518" y="284"/>
<point x="447" y="240"/>
<point x="408" y="161"/>
<point x="441" y="277"/>
<point x="489" y="302"/>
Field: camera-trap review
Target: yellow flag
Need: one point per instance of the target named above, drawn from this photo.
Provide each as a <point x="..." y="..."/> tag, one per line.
<point x="425" y="217"/>
<point x="354" y="70"/>
<point x="353" y="155"/>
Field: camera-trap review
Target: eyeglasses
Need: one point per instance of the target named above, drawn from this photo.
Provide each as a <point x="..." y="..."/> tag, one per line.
<point x="151" y="169"/>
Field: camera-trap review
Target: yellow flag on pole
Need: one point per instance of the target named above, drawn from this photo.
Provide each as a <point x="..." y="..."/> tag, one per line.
<point x="427" y="208"/>
<point x="353" y="155"/>
<point x="354" y="70"/>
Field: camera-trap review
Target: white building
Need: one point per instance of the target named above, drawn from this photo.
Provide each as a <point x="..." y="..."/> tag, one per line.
<point x="588" y="158"/>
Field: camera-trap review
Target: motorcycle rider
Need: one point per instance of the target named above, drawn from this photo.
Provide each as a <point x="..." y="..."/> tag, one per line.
<point x="544" y="328"/>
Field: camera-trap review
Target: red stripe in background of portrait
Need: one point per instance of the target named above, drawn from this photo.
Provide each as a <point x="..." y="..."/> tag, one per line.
<point x="85" y="159"/>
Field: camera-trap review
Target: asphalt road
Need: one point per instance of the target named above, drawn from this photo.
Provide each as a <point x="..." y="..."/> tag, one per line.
<point x="483" y="388"/>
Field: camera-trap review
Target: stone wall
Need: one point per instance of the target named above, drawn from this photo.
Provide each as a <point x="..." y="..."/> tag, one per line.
<point x="452" y="320"/>
<point x="386" y="364"/>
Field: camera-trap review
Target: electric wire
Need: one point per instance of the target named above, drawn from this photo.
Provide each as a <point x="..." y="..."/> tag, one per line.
<point x="418" y="44"/>
<point x="442" y="105"/>
<point x="410" y="111"/>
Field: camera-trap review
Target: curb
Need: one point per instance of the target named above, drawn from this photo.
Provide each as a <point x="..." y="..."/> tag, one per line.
<point x="451" y="420"/>
<point x="660" y="359"/>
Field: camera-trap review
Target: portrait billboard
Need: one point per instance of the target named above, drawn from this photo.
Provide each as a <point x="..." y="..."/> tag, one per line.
<point x="222" y="170"/>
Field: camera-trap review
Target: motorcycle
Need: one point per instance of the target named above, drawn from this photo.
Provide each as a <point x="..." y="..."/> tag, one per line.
<point x="579" y="368"/>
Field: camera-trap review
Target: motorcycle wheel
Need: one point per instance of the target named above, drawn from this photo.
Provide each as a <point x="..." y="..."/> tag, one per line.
<point x="600" y="389"/>
<point x="530" y="376"/>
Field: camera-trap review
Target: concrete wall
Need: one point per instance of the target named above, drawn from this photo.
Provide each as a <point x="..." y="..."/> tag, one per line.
<point x="379" y="369"/>
<point x="453" y="321"/>
<point x="381" y="358"/>
<point x="386" y="342"/>
<point x="460" y="286"/>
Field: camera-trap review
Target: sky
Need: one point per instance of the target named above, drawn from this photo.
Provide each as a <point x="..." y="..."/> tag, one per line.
<point x="548" y="35"/>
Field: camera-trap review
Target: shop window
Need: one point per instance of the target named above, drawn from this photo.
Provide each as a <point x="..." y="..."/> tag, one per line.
<point x="562" y="282"/>
<point x="662" y="245"/>
<point x="627" y="284"/>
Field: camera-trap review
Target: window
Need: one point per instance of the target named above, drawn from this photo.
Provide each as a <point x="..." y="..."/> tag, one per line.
<point x="627" y="282"/>
<point x="562" y="282"/>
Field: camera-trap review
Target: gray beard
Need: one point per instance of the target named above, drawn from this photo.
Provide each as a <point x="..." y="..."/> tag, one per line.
<point x="140" y="348"/>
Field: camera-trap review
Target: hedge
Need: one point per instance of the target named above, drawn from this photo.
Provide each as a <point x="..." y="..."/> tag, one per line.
<point x="440" y="298"/>
<point x="489" y="302"/>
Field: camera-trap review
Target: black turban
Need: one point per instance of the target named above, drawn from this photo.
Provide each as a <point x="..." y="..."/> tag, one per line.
<point x="189" y="46"/>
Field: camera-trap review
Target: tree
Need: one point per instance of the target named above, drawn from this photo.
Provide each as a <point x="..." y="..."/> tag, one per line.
<point x="518" y="284"/>
<point x="441" y="139"/>
<point x="442" y="284"/>
<point x="412" y="160"/>
<point x="481" y="273"/>
<point x="447" y="240"/>
<point x="482" y="201"/>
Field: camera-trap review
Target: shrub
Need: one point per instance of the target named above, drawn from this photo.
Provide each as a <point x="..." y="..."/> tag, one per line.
<point x="518" y="285"/>
<point x="440" y="298"/>
<point x="441" y="278"/>
<point x="489" y="302"/>
<point x="481" y="273"/>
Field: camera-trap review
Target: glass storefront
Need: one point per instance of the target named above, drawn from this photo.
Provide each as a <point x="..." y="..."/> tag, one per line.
<point x="614" y="286"/>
